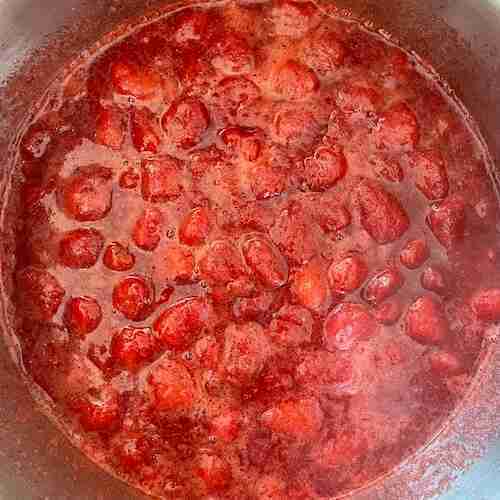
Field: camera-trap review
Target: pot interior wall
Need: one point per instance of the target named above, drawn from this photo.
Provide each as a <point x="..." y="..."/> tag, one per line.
<point x="460" y="38"/>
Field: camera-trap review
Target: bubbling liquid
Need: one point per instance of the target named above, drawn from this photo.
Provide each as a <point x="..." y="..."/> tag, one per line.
<point x="257" y="254"/>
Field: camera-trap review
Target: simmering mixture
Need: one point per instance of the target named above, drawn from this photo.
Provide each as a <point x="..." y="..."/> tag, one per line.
<point x="257" y="254"/>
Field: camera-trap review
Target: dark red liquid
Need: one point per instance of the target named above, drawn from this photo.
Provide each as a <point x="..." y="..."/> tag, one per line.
<point x="257" y="257"/>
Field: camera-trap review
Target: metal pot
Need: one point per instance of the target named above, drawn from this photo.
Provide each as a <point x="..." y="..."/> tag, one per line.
<point x="460" y="38"/>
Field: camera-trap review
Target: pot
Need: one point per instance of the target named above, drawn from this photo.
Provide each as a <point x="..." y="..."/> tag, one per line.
<point x="459" y="38"/>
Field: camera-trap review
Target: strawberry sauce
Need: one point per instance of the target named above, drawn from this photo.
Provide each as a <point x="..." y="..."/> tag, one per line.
<point x="257" y="256"/>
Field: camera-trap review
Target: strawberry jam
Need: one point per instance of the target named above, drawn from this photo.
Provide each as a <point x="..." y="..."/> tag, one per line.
<point x="255" y="254"/>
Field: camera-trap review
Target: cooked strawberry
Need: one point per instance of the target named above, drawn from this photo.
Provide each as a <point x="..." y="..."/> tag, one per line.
<point x="82" y="315"/>
<point x="431" y="176"/>
<point x="178" y="326"/>
<point x="185" y="122"/>
<point x="132" y="346"/>
<point x="134" y="298"/>
<point x="292" y="325"/>
<point x="130" y="78"/>
<point x="214" y="471"/>
<point x="171" y="386"/>
<point x="294" y="81"/>
<point x="414" y="254"/>
<point x="381" y="213"/>
<point x="325" y="168"/>
<point x="195" y="227"/>
<point x="447" y="221"/>
<point x="324" y="53"/>
<point x="383" y="285"/>
<point x="486" y="304"/>
<point x="174" y="263"/>
<point x="145" y="131"/>
<point x="148" y="229"/>
<point x="99" y="413"/>
<point x="245" y="352"/>
<point x="161" y="180"/>
<point x="347" y="274"/>
<point x="398" y="129"/>
<point x="296" y="418"/>
<point x="426" y="322"/>
<point x="118" y="258"/>
<point x="265" y="261"/>
<point x="110" y="130"/>
<point x="80" y="248"/>
<point x="388" y="312"/>
<point x="348" y="324"/>
<point x="87" y="194"/>
<point x="309" y="286"/>
<point x="233" y="55"/>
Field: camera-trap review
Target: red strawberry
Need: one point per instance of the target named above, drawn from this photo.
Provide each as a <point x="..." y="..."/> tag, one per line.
<point x="414" y="254"/>
<point x="447" y="221"/>
<point x="383" y="285"/>
<point x="110" y="130"/>
<point x="134" y="298"/>
<point x="445" y="363"/>
<point x="145" y="131"/>
<point x="171" y="386"/>
<point x="148" y="229"/>
<point x="132" y="346"/>
<point x="296" y="418"/>
<point x="82" y="315"/>
<point x="431" y="176"/>
<point x="233" y="55"/>
<point x="426" y="322"/>
<point x="87" y="194"/>
<point x="346" y="325"/>
<point x="295" y="127"/>
<point x="226" y="426"/>
<point x="388" y="312"/>
<point x="348" y="274"/>
<point x="323" y="170"/>
<point x="179" y="326"/>
<point x="221" y="263"/>
<point x="195" y="227"/>
<point x="81" y="248"/>
<point x="100" y="412"/>
<point x="292" y="325"/>
<point x="243" y="142"/>
<point x="486" y="304"/>
<point x="130" y="78"/>
<point x="214" y="471"/>
<point x="324" y="53"/>
<point x="174" y="263"/>
<point x="265" y="260"/>
<point x="245" y="352"/>
<point x="356" y="98"/>
<point x="294" y="81"/>
<point x="161" y="180"/>
<point x="398" y="129"/>
<point x="310" y="286"/>
<point x="381" y="213"/>
<point x="185" y="122"/>
<point x="118" y="258"/>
